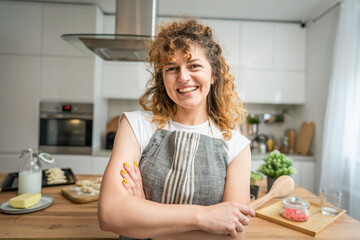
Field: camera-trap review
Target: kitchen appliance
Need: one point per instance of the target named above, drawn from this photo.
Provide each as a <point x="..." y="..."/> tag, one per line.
<point x="66" y="128"/>
<point x="135" y="24"/>
<point x="110" y="138"/>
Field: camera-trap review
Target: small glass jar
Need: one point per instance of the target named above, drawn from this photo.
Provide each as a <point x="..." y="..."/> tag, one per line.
<point x="284" y="148"/>
<point x="270" y="143"/>
<point x="295" y="209"/>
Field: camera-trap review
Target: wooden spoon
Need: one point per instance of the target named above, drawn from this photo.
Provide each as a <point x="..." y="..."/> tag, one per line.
<point x="282" y="186"/>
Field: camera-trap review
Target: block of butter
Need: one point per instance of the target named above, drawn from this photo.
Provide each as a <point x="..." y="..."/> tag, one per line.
<point x="25" y="200"/>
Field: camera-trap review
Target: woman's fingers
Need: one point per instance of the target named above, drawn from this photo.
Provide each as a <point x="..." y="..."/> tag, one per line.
<point x="128" y="182"/>
<point x="139" y="183"/>
<point x="133" y="177"/>
<point x="246" y="210"/>
<point x="127" y="186"/>
<point x="228" y="218"/>
<point x="233" y="233"/>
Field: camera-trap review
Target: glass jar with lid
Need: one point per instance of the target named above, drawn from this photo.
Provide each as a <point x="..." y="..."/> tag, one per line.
<point x="30" y="172"/>
<point x="295" y="209"/>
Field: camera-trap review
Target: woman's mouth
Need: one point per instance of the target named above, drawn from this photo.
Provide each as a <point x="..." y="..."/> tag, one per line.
<point x="187" y="89"/>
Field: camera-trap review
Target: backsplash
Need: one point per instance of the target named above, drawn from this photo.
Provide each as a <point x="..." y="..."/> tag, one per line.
<point x="275" y="129"/>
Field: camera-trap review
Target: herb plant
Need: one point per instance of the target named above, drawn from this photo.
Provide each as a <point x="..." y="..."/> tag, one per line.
<point x="255" y="177"/>
<point x="252" y="119"/>
<point x="276" y="164"/>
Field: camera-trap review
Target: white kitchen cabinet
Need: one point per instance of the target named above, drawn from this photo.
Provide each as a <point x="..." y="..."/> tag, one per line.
<point x="270" y="86"/>
<point x="20" y="28"/>
<point x="99" y="164"/>
<point x="125" y="80"/>
<point x="256" y="46"/>
<point x="305" y="176"/>
<point x="62" y="19"/>
<point x="272" y="46"/>
<point x="272" y="68"/>
<point x="19" y="102"/>
<point x="227" y="33"/>
<point x="289" y="47"/>
<point x="67" y="78"/>
<point x="67" y="74"/>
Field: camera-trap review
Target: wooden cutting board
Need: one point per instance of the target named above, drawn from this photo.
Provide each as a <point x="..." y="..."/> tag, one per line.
<point x="304" y="138"/>
<point x="74" y="194"/>
<point x="313" y="226"/>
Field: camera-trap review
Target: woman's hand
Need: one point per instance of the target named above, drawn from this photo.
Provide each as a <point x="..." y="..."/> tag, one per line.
<point x="228" y="218"/>
<point x="132" y="180"/>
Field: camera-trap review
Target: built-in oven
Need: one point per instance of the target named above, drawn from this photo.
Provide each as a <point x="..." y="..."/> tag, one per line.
<point x="66" y="128"/>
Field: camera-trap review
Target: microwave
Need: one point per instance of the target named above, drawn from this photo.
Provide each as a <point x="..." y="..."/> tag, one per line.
<point x="66" y="128"/>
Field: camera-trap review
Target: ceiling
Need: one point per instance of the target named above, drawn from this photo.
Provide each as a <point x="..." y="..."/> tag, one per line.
<point x="271" y="10"/>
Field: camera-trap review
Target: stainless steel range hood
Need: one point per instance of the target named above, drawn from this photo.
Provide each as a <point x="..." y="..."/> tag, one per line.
<point x="135" y="24"/>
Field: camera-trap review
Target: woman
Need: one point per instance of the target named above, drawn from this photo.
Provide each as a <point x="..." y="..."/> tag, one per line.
<point x="195" y="168"/>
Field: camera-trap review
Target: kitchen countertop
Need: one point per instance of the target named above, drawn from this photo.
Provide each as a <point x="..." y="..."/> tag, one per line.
<point x="66" y="220"/>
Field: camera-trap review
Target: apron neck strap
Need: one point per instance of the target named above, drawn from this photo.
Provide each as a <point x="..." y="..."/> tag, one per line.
<point x="215" y="130"/>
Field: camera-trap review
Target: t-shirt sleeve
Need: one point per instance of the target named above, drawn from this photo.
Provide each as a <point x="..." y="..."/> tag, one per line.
<point x="142" y="127"/>
<point x="235" y="145"/>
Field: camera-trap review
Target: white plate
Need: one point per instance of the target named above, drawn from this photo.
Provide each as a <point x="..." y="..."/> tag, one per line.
<point x="45" y="201"/>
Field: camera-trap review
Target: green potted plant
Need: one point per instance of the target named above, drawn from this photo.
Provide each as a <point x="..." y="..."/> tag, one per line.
<point x="254" y="189"/>
<point x="275" y="165"/>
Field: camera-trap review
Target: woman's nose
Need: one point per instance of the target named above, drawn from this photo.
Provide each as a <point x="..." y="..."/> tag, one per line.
<point x="184" y="75"/>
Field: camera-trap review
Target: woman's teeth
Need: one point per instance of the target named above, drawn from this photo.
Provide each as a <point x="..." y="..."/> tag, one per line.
<point x="182" y="90"/>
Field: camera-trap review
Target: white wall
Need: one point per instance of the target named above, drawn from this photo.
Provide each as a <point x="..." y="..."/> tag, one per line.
<point x="320" y="44"/>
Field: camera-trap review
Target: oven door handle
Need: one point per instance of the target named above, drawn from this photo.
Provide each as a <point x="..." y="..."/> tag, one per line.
<point x="65" y="116"/>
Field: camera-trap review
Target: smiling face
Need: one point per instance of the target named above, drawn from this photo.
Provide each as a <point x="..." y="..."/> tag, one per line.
<point x="187" y="80"/>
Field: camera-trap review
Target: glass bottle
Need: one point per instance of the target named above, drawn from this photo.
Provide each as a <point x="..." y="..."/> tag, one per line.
<point x="30" y="173"/>
<point x="284" y="148"/>
<point x="270" y="143"/>
<point x="290" y="133"/>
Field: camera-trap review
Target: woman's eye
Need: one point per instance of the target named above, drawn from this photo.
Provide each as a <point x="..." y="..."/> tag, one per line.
<point x="195" y="66"/>
<point x="170" y="69"/>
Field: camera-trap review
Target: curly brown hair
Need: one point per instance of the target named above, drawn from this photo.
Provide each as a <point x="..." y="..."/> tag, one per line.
<point x="223" y="103"/>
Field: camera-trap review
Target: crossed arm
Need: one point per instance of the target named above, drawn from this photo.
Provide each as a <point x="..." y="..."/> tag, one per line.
<point x="125" y="213"/>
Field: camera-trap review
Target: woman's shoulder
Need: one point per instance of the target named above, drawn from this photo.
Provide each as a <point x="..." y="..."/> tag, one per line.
<point x="140" y="121"/>
<point x="235" y="145"/>
<point x="237" y="136"/>
<point x="139" y="113"/>
<point x="142" y="126"/>
<point x="139" y="116"/>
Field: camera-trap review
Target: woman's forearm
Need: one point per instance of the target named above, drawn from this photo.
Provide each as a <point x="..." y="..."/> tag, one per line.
<point x="138" y="218"/>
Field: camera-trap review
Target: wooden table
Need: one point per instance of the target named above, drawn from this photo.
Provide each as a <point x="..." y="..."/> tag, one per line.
<point x="66" y="220"/>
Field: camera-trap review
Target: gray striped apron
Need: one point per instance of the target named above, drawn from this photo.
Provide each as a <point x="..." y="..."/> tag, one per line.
<point x="184" y="168"/>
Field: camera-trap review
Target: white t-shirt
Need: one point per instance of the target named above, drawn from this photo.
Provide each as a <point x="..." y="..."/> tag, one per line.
<point x="143" y="128"/>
